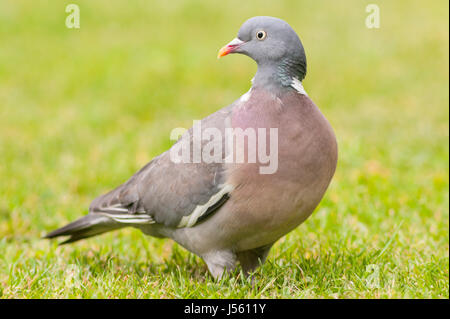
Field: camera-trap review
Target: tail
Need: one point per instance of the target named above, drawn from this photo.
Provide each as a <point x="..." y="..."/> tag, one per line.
<point x="90" y="225"/>
<point x="116" y="209"/>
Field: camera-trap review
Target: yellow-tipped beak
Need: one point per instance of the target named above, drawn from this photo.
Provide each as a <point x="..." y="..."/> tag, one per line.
<point x="224" y="51"/>
<point x="230" y="47"/>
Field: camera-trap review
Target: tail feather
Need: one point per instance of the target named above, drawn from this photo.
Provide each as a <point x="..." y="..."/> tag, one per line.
<point x="90" y="225"/>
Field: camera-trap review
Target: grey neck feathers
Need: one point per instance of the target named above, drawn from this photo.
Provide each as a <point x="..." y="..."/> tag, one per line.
<point x="279" y="76"/>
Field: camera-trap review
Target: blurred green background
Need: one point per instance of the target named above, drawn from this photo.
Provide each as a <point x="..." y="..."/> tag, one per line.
<point x="83" y="109"/>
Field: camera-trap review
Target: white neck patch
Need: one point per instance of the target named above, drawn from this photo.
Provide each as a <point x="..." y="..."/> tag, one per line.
<point x="297" y="85"/>
<point x="244" y="98"/>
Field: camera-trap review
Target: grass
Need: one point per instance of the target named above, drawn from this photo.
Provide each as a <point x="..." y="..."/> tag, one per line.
<point x="82" y="110"/>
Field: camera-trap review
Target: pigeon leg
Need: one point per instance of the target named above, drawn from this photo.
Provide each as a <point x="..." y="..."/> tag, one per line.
<point x="251" y="259"/>
<point x="220" y="261"/>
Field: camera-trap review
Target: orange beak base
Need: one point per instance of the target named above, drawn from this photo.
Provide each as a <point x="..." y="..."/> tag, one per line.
<point x="225" y="50"/>
<point x="230" y="48"/>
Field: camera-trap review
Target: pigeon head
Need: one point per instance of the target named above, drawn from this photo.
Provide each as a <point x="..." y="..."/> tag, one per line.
<point x="275" y="47"/>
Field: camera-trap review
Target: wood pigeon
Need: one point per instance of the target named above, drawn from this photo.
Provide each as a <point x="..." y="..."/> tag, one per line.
<point x="225" y="210"/>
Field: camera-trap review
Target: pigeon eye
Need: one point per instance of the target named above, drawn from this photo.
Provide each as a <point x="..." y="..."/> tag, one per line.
<point x="261" y="35"/>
